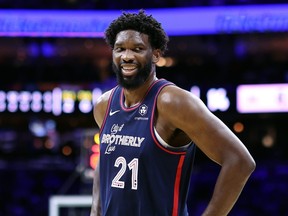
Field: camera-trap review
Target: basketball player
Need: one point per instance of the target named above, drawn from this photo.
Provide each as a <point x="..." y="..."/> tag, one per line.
<point x="149" y="129"/>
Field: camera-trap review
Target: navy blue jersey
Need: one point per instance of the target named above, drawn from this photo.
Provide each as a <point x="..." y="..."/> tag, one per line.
<point x="138" y="175"/>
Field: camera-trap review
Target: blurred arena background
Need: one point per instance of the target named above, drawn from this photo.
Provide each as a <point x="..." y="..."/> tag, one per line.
<point x="49" y="80"/>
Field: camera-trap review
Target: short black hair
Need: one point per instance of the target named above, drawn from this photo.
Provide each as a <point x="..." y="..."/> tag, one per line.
<point x="142" y="23"/>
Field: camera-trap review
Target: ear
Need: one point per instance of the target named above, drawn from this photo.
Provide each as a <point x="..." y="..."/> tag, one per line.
<point x="156" y="55"/>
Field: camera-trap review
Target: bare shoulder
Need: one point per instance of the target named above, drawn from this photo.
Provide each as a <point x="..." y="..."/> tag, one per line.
<point x="103" y="98"/>
<point x="179" y="107"/>
<point x="173" y="98"/>
<point x="100" y="107"/>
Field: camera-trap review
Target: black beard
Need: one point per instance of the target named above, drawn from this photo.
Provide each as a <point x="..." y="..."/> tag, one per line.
<point x="135" y="81"/>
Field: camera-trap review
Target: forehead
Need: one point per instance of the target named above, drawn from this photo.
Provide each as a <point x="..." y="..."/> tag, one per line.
<point x="132" y="36"/>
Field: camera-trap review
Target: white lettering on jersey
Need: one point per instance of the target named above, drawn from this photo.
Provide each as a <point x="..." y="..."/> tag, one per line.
<point x="123" y="140"/>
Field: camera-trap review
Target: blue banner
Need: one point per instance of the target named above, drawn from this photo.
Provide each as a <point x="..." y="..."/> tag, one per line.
<point x="177" y="22"/>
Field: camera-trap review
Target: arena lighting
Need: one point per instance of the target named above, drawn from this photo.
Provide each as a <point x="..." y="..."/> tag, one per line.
<point x="254" y="98"/>
<point x="176" y="21"/>
<point x="238" y="127"/>
<point x="217" y="99"/>
<point x="262" y="98"/>
<point x="95" y="149"/>
<point x="55" y="101"/>
<point x="42" y="128"/>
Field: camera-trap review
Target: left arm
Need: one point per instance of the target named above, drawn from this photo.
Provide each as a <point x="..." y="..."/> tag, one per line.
<point x="215" y="139"/>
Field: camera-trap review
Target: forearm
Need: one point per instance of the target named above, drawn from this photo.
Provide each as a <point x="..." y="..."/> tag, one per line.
<point x="229" y="185"/>
<point x="96" y="201"/>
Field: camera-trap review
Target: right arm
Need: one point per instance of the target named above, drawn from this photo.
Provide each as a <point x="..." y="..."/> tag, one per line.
<point x="96" y="202"/>
<point x="99" y="114"/>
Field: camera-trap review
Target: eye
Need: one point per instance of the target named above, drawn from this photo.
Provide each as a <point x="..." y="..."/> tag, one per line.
<point x="138" y="49"/>
<point x="118" y="49"/>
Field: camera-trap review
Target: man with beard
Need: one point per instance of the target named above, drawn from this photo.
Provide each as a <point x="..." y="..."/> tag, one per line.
<point x="149" y="129"/>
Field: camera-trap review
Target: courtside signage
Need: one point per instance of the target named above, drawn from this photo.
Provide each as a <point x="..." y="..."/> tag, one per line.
<point x="262" y="98"/>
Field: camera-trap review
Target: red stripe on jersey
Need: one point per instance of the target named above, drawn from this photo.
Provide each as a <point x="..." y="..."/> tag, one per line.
<point x="177" y="186"/>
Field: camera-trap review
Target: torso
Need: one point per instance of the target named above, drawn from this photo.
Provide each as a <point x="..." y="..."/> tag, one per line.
<point x="128" y="142"/>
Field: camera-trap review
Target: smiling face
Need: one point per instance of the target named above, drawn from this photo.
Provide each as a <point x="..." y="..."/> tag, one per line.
<point x="133" y="58"/>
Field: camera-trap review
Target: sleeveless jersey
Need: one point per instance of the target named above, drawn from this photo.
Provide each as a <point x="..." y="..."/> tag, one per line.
<point x="138" y="175"/>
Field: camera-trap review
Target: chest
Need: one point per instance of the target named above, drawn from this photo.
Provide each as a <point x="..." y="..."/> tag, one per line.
<point x="127" y="132"/>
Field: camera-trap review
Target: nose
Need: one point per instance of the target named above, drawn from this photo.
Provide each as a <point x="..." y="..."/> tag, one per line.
<point x="127" y="55"/>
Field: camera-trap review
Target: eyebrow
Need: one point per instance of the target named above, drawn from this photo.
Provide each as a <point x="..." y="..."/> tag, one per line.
<point x="134" y="44"/>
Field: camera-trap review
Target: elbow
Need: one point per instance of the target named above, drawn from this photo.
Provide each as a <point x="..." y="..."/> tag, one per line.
<point x="247" y="165"/>
<point x="252" y="165"/>
<point x="242" y="165"/>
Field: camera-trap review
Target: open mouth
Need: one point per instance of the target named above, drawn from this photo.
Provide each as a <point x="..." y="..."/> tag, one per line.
<point x="128" y="70"/>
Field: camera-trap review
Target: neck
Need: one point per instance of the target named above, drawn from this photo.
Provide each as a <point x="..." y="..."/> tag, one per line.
<point x="135" y="96"/>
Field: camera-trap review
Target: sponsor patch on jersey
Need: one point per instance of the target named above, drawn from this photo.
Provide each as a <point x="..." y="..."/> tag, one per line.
<point x="143" y="109"/>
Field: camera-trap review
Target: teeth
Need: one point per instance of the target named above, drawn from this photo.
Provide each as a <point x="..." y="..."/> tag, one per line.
<point x="127" y="67"/>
